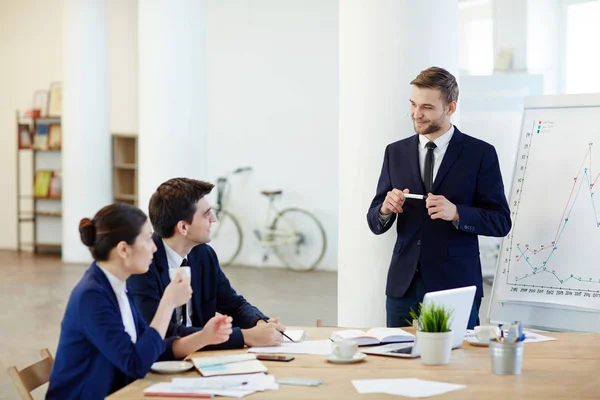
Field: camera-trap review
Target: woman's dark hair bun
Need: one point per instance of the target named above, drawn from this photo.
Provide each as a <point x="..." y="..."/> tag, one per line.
<point x="87" y="231"/>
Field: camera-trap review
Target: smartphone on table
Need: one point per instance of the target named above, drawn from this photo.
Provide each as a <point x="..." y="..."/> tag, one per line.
<point x="273" y="357"/>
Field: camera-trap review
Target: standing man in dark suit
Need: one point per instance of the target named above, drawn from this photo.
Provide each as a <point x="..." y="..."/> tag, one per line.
<point x="182" y="217"/>
<point x="437" y="246"/>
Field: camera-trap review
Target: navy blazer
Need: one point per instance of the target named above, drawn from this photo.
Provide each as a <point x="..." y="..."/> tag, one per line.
<point x="95" y="355"/>
<point x="469" y="176"/>
<point x="212" y="292"/>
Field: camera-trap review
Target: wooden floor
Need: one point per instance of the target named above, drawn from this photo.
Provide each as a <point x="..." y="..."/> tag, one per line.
<point x="35" y="289"/>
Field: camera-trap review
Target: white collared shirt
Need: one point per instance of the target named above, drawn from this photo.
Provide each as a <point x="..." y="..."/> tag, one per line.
<point x="174" y="260"/>
<point x="120" y="290"/>
<point x="438" y="153"/>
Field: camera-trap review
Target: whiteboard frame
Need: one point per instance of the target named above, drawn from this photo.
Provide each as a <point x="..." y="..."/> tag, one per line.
<point x="536" y="315"/>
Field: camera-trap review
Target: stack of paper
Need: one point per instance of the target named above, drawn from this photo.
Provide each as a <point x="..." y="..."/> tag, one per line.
<point x="318" y="347"/>
<point x="230" y="386"/>
<point x="404" y="387"/>
<point x="228" y="365"/>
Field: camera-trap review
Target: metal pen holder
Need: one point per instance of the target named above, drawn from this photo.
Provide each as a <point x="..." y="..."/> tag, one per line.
<point x="507" y="358"/>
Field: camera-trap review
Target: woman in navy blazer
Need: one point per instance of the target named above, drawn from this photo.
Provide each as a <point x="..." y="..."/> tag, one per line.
<point x="104" y="342"/>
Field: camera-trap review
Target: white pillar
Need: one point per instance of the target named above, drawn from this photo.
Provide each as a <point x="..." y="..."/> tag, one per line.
<point x="86" y="156"/>
<point x="172" y="93"/>
<point x="383" y="46"/>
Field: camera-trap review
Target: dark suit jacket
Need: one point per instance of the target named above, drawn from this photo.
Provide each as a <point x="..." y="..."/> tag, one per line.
<point x="211" y="292"/>
<point x="469" y="176"/>
<point x="95" y="355"/>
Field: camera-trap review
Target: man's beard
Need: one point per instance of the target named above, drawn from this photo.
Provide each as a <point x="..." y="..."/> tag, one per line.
<point x="433" y="126"/>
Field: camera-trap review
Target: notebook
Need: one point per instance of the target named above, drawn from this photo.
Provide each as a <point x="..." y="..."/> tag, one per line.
<point x="297" y="335"/>
<point x="228" y="365"/>
<point x="373" y="336"/>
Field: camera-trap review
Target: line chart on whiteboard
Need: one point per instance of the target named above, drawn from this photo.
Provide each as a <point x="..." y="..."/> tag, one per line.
<point x="552" y="253"/>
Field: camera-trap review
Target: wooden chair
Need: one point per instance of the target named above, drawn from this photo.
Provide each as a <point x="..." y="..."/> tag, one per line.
<point x="33" y="376"/>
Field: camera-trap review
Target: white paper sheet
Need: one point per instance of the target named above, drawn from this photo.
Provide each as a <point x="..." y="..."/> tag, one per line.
<point x="236" y="386"/>
<point x="530" y="337"/>
<point x="318" y="347"/>
<point x="411" y="387"/>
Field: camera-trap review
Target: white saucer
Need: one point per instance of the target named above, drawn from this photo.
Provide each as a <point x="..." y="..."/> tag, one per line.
<point x="476" y="342"/>
<point x="171" y="367"/>
<point x="358" y="357"/>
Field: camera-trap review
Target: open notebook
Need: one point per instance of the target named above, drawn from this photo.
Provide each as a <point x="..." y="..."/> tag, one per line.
<point x="297" y="335"/>
<point x="228" y="365"/>
<point x="373" y="336"/>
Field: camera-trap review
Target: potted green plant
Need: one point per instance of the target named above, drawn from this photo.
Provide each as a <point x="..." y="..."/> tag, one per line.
<point x="434" y="336"/>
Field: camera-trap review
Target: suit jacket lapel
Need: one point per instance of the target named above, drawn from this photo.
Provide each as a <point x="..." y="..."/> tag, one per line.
<point x="160" y="259"/>
<point x="413" y="162"/>
<point x="452" y="152"/>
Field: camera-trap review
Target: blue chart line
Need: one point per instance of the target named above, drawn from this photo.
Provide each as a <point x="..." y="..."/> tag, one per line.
<point x="542" y="268"/>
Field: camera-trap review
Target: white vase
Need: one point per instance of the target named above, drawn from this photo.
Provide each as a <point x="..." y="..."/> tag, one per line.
<point x="435" y="347"/>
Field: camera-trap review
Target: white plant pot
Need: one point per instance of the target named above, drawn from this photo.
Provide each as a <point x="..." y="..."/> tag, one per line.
<point x="435" y="347"/>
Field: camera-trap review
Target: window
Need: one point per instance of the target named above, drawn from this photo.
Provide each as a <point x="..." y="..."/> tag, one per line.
<point x="582" y="41"/>
<point x="480" y="45"/>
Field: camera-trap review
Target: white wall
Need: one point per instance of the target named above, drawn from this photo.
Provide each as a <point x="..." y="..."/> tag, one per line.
<point x="272" y="95"/>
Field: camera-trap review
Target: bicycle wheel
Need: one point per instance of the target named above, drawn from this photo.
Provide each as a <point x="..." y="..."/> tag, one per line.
<point x="298" y="239"/>
<point x="227" y="238"/>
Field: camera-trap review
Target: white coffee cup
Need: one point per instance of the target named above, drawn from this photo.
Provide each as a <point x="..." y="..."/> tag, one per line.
<point x="185" y="270"/>
<point x="345" y="349"/>
<point x="486" y="333"/>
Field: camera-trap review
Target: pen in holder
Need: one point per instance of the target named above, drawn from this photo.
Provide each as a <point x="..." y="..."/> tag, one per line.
<point x="507" y="357"/>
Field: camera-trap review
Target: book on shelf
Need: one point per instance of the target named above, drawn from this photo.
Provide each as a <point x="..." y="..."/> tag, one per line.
<point x="42" y="181"/>
<point x="373" y="336"/>
<point x="40" y="139"/>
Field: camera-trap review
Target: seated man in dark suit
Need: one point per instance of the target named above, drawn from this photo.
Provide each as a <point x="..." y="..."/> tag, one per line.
<point x="182" y="217"/>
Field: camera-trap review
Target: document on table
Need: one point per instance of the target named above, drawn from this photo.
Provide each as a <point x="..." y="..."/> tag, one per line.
<point x="411" y="387"/>
<point x="318" y="347"/>
<point x="229" y="386"/>
<point x="530" y="337"/>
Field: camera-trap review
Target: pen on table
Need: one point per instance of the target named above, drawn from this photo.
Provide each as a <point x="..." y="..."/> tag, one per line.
<point x="415" y="196"/>
<point x="267" y="321"/>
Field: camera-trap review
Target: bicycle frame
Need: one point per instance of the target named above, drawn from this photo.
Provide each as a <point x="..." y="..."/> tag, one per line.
<point x="270" y="236"/>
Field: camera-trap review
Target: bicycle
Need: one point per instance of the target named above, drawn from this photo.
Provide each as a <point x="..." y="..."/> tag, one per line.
<point x="295" y="235"/>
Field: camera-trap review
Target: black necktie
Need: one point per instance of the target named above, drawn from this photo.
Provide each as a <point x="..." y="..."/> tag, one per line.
<point x="184" y="263"/>
<point x="428" y="175"/>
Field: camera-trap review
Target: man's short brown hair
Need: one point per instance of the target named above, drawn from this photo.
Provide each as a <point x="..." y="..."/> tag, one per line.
<point x="438" y="78"/>
<point x="173" y="201"/>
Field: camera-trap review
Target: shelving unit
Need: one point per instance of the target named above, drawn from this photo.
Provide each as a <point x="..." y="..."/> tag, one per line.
<point x="125" y="173"/>
<point x="39" y="217"/>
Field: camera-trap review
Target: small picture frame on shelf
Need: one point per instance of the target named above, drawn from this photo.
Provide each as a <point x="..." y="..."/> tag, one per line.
<point x="55" y="189"/>
<point x="54" y="108"/>
<point x="54" y="137"/>
<point x="25" y="137"/>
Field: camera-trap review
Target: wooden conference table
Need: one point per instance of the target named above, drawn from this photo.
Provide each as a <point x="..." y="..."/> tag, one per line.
<point x="567" y="368"/>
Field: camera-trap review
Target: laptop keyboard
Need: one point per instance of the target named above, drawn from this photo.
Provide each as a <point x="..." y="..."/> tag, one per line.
<point x="403" y="350"/>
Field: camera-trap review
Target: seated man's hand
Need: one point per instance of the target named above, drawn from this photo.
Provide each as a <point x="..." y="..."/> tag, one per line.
<point x="217" y="330"/>
<point x="271" y="320"/>
<point x="264" y="334"/>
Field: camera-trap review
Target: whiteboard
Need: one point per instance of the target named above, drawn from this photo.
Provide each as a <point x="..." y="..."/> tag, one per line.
<point x="548" y="269"/>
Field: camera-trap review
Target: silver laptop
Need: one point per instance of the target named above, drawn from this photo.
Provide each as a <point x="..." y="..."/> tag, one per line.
<point x="460" y="300"/>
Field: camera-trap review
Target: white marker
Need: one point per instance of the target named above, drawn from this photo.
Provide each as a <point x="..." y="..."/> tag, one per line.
<point x="415" y="196"/>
